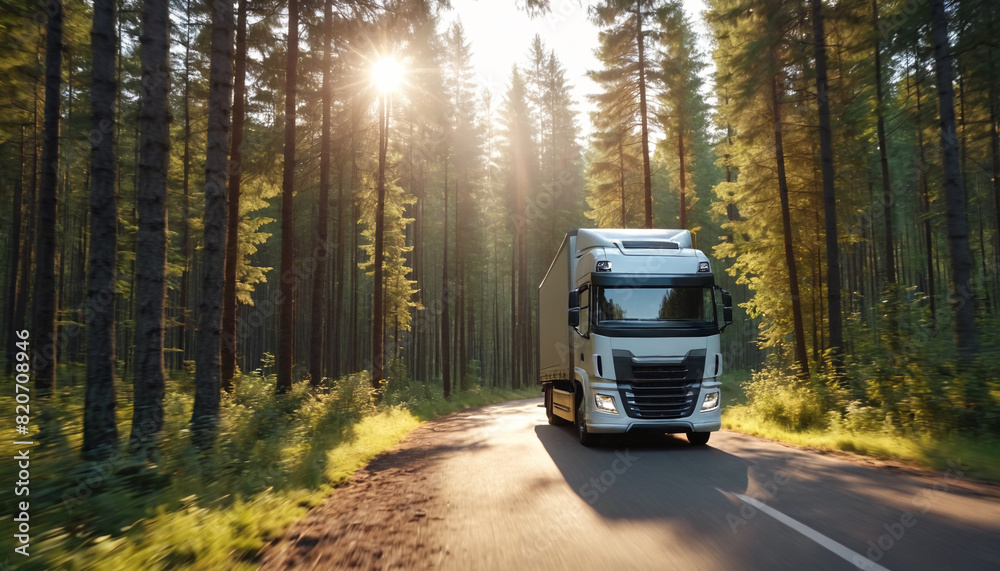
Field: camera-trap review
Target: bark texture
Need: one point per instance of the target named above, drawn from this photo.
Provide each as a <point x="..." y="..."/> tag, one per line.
<point x="44" y="309"/>
<point x="151" y="235"/>
<point x="100" y="429"/>
<point x="963" y="307"/>
<point x="829" y="191"/>
<point x="205" y="416"/>
<point x="286" y="301"/>
<point x="786" y="224"/>
<point x="228" y="366"/>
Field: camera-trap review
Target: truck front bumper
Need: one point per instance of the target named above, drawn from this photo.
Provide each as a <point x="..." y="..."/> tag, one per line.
<point x="600" y="422"/>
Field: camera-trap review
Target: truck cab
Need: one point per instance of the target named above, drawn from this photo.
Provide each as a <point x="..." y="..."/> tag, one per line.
<point x="629" y="335"/>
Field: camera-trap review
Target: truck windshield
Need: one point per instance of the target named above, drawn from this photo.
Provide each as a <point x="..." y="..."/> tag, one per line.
<point x="680" y="306"/>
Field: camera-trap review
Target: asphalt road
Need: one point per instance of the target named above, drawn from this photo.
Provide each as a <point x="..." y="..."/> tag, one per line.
<point x="498" y="488"/>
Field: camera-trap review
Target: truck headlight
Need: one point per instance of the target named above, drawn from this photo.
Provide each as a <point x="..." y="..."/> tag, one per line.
<point x="711" y="402"/>
<point x="605" y="403"/>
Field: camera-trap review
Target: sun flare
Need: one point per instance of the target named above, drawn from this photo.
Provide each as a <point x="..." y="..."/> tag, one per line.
<point x="387" y="74"/>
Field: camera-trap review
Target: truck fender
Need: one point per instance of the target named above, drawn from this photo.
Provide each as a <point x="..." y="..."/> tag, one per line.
<point x="582" y="379"/>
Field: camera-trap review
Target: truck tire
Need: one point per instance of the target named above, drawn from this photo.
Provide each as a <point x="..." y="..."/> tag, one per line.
<point x="586" y="438"/>
<point x="698" y="438"/>
<point x="549" y="414"/>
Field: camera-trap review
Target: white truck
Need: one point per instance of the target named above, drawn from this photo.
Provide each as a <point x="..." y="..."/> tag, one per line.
<point x="638" y="348"/>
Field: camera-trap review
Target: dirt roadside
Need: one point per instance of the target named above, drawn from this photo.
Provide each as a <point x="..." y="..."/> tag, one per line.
<point x="387" y="516"/>
<point x="480" y="488"/>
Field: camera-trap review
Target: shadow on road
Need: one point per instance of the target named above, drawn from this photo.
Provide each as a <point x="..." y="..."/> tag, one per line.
<point x="648" y="477"/>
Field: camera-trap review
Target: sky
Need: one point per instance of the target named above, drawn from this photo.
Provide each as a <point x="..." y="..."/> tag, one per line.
<point x="501" y="34"/>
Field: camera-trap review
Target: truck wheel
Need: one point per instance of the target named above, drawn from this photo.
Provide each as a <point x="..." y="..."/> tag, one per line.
<point x="586" y="438"/>
<point x="553" y="419"/>
<point x="698" y="438"/>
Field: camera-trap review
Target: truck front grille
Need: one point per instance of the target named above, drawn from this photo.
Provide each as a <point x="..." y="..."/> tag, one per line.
<point x="659" y="401"/>
<point x="659" y="390"/>
<point x="658" y="372"/>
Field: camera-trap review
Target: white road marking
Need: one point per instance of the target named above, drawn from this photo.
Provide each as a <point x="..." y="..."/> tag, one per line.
<point x="852" y="557"/>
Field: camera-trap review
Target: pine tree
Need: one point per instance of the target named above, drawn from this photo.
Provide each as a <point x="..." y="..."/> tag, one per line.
<point x="966" y="333"/>
<point x="829" y="192"/>
<point x="45" y="246"/>
<point x="228" y="358"/>
<point x="757" y="65"/>
<point x="521" y="179"/>
<point x="317" y="328"/>
<point x="627" y="27"/>
<point x="151" y="235"/>
<point x="286" y="303"/>
<point x="100" y="429"/>
<point x="681" y="113"/>
<point x="205" y="415"/>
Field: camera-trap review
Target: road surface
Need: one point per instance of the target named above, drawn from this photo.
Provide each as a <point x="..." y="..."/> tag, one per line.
<point x="498" y="488"/>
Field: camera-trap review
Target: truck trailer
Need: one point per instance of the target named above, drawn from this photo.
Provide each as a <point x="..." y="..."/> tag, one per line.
<point x="629" y="324"/>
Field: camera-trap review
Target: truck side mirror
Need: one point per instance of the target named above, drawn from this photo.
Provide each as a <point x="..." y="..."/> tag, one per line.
<point x="574" y="317"/>
<point x="727" y="309"/>
<point x="574" y="299"/>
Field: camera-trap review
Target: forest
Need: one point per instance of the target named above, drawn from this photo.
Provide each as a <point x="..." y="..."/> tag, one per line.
<point x="213" y="204"/>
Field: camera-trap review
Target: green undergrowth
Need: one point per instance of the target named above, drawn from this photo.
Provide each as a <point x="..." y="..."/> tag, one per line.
<point x="276" y="457"/>
<point x="823" y="416"/>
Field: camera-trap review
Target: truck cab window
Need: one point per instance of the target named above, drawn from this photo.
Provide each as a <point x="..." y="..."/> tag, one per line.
<point x="662" y="305"/>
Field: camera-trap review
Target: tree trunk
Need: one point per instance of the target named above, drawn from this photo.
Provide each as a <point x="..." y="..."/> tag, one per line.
<point x="16" y="222"/>
<point x="445" y="320"/>
<point x="320" y="251"/>
<point x="829" y="192"/>
<point x="515" y="353"/>
<point x="420" y="324"/>
<point x="286" y="299"/>
<point x="228" y="365"/>
<point x="462" y="353"/>
<point x="100" y="429"/>
<point x="680" y="156"/>
<point x="27" y="243"/>
<point x="338" y="280"/>
<point x="355" y="344"/>
<point x="786" y="224"/>
<point x="995" y="154"/>
<point x="186" y="185"/>
<point x="890" y="260"/>
<point x="44" y="359"/>
<point x="732" y="211"/>
<point x="925" y="204"/>
<point x="621" y="176"/>
<point x="378" y="285"/>
<point x="524" y="303"/>
<point x="205" y="416"/>
<point x="966" y="334"/>
<point x="647" y="179"/>
<point x="151" y="235"/>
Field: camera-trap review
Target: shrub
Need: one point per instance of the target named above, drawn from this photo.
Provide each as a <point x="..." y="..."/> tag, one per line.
<point x="777" y="396"/>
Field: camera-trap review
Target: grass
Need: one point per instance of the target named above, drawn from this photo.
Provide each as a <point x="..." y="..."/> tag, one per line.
<point x="783" y="413"/>
<point x="276" y="457"/>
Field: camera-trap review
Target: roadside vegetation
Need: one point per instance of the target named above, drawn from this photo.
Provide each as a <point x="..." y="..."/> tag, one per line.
<point x="919" y="406"/>
<point x="276" y="457"/>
